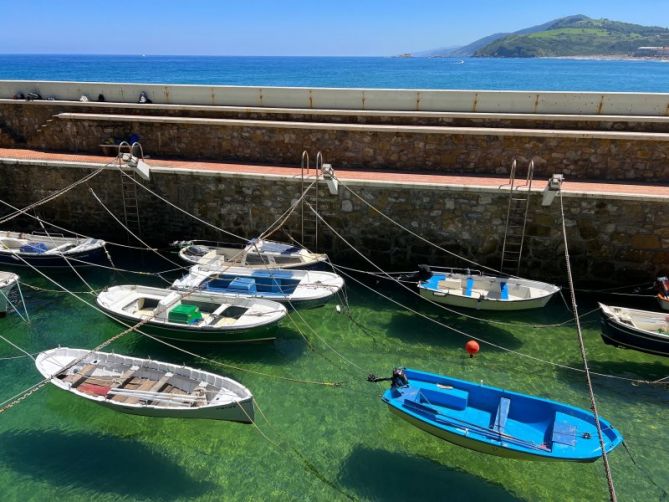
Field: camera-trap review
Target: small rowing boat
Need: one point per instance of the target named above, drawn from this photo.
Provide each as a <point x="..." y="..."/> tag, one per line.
<point x="475" y="290"/>
<point x="497" y="421"/>
<point x="194" y="316"/>
<point x="146" y="387"/>
<point x="299" y="288"/>
<point x="635" y="329"/>
<point x="48" y="250"/>
<point x="257" y="253"/>
<point x="8" y="281"/>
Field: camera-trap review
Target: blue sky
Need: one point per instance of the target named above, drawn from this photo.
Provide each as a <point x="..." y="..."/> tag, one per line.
<point x="285" y="27"/>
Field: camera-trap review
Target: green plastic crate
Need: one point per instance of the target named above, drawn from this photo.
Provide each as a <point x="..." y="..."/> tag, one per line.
<point x="184" y="314"/>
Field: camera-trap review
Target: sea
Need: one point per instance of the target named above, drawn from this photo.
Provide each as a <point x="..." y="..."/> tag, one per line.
<point x="322" y="431"/>
<point x="366" y="72"/>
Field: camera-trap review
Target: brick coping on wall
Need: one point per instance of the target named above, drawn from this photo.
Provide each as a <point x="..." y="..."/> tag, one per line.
<point x="590" y="189"/>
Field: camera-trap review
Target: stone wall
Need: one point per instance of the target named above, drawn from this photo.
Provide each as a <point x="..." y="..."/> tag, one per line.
<point x="603" y="159"/>
<point x="611" y="239"/>
<point x="577" y="158"/>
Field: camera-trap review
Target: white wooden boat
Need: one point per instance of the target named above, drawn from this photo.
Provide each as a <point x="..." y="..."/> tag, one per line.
<point x="146" y="387"/>
<point x="257" y="253"/>
<point x="48" y="250"/>
<point x="299" y="288"/>
<point x="193" y="317"/>
<point x="7" y="282"/>
<point x="635" y="329"/>
<point x="485" y="292"/>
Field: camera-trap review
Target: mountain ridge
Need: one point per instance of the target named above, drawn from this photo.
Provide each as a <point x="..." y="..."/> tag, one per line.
<point x="569" y="36"/>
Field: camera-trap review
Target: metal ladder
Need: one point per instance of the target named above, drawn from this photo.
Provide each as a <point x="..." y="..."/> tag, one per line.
<point x="309" y="221"/>
<point x="129" y="187"/>
<point x="516" y="219"/>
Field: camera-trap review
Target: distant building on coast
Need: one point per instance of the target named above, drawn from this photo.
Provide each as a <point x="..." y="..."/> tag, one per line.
<point x="652" y="52"/>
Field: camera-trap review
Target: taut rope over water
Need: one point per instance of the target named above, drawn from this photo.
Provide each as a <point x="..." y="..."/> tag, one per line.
<point x="593" y="403"/>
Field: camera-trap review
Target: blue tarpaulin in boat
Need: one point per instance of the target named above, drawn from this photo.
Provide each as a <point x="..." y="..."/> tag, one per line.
<point x="242" y="285"/>
<point x="34" y="247"/>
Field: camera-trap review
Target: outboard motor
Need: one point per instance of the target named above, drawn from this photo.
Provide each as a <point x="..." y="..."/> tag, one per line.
<point x="424" y="273"/>
<point x="399" y="378"/>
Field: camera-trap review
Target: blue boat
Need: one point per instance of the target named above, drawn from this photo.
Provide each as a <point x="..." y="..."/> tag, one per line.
<point x="499" y="422"/>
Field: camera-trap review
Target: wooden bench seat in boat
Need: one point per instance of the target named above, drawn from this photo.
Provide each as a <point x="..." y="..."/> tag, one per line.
<point x="83" y="374"/>
<point x="564" y="432"/>
<point x="502" y="414"/>
<point x="450" y="284"/>
<point x="134" y="399"/>
<point x="127" y="375"/>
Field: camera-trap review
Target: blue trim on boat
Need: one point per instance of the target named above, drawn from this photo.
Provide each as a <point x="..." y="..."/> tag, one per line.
<point x="469" y="286"/>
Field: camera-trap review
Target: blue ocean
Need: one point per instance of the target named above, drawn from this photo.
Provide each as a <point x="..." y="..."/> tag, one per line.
<point x="368" y="72"/>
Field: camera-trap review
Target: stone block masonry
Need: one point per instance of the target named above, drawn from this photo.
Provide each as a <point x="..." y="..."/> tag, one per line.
<point x="458" y="151"/>
<point x="618" y="240"/>
<point x="582" y="147"/>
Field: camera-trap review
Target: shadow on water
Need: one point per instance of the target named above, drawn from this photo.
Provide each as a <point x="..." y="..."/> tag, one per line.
<point x="643" y="371"/>
<point x="411" y="329"/>
<point x="384" y="475"/>
<point x="286" y="348"/>
<point x="98" y="462"/>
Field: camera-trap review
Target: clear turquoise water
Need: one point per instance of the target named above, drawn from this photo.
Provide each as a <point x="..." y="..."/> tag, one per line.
<point x="321" y="442"/>
<point x="415" y="73"/>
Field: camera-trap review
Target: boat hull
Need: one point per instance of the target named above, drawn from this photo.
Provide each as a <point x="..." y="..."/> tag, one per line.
<point x="91" y="257"/>
<point x="242" y="411"/>
<point x="197" y="335"/>
<point x="7" y="282"/>
<point x="474" y="445"/>
<point x="484" y="304"/>
<point x="620" y="335"/>
<point x="146" y="387"/>
<point x="499" y="422"/>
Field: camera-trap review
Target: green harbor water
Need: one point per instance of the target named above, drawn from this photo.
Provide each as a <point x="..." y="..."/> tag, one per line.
<point x="321" y="442"/>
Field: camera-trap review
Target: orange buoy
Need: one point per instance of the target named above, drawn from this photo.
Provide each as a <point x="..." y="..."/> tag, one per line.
<point x="472" y="347"/>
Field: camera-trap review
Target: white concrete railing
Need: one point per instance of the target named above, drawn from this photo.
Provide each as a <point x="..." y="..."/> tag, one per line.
<point x="527" y="102"/>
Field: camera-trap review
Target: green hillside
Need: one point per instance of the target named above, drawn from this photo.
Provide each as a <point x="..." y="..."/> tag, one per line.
<point x="578" y="36"/>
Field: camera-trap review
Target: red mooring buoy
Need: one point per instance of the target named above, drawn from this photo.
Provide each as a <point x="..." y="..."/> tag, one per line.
<point x="472" y="347"/>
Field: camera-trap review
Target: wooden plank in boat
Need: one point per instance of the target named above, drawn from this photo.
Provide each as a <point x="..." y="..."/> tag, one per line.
<point x="157" y="387"/>
<point x="82" y="375"/>
<point x="132" y="399"/>
<point x="125" y="377"/>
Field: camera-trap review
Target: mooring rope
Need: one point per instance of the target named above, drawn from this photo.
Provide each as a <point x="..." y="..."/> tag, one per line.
<point x="492" y="344"/>
<point x="420" y="237"/>
<point x="591" y="392"/>
<point x="423" y="298"/>
<point x="17" y="212"/>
